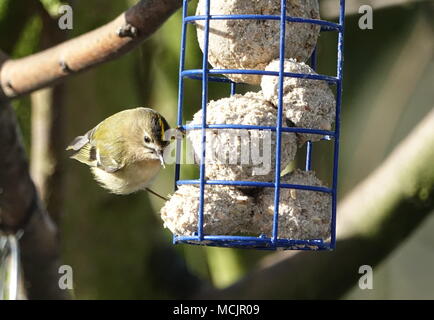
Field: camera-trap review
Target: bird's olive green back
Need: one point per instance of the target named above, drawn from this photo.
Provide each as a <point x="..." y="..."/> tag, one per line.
<point x="109" y="144"/>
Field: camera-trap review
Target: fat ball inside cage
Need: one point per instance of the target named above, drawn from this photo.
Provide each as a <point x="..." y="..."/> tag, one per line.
<point x="212" y="192"/>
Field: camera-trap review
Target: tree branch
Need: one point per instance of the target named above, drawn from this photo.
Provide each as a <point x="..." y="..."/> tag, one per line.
<point x="20" y="207"/>
<point x="22" y="76"/>
<point x="373" y="220"/>
<point x="48" y="124"/>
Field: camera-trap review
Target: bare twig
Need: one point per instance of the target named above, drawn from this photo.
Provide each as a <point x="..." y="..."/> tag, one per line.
<point x="22" y="76"/>
<point x="48" y="125"/>
<point x="374" y="219"/>
<point x="47" y="148"/>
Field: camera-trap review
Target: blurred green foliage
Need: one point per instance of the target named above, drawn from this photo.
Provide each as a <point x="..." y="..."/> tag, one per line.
<point x="52" y="6"/>
<point x="19" y="40"/>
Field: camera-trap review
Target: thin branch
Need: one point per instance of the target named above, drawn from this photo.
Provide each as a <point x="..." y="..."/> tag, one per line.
<point x="374" y="219"/>
<point x="22" y="76"/>
<point x="48" y="124"/>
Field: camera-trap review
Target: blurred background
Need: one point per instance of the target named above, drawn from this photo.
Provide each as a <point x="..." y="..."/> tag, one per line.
<point x="113" y="242"/>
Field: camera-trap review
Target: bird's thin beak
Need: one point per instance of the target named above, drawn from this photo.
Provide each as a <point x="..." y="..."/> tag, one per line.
<point x="180" y="131"/>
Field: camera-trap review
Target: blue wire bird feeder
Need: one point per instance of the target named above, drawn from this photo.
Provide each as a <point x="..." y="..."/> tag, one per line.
<point x="205" y="75"/>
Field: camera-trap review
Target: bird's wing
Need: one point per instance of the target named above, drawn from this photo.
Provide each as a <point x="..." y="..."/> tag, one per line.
<point x="83" y="149"/>
<point x="102" y="147"/>
<point x="109" y="146"/>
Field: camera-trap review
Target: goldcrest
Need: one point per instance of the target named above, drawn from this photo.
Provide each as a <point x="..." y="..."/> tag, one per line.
<point x="124" y="151"/>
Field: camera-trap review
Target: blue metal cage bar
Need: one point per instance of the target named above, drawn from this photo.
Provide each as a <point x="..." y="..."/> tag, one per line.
<point x="215" y="75"/>
<point x="196" y="74"/>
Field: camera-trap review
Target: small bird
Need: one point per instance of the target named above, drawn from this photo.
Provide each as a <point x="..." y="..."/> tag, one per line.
<point x="124" y="151"/>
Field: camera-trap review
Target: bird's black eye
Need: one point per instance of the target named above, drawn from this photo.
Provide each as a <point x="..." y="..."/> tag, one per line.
<point x="147" y="139"/>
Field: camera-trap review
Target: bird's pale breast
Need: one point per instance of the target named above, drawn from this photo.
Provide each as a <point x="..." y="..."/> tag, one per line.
<point x="129" y="179"/>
